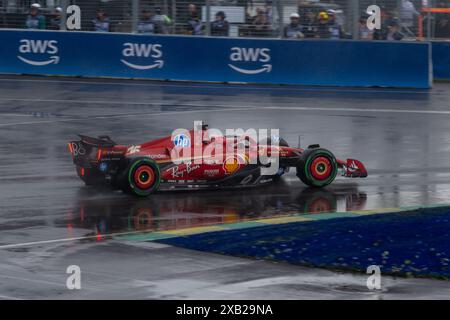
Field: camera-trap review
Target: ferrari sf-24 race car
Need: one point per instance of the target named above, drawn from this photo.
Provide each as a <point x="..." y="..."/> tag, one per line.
<point x="143" y="169"/>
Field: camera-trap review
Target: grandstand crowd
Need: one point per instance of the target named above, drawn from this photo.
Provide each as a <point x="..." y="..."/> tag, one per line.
<point x="261" y="19"/>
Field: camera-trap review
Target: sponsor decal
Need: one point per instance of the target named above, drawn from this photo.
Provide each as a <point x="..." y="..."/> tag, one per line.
<point x="134" y="149"/>
<point x="38" y="52"/>
<point x="352" y="167"/>
<point x="212" y="172"/>
<point x="211" y="161"/>
<point x="233" y="164"/>
<point x="265" y="68"/>
<point x="78" y="149"/>
<point x="112" y="152"/>
<point x="103" y="167"/>
<point x="157" y="156"/>
<point x="247" y="58"/>
<point x="182" y="140"/>
<point x="178" y="172"/>
<point x="145" y="56"/>
<point x="247" y="179"/>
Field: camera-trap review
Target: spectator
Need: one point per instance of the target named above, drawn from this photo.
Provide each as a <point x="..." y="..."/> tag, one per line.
<point x="309" y="25"/>
<point x="35" y="20"/>
<point x="101" y="22"/>
<point x="294" y="29"/>
<point x="220" y="26"/>
<point x="268" y="8"/>
<point x="146" y="25"/>
<point x="364" y="32"/>
<point x="194" y="25"/>
<point x="162" y="21"/>
<point x="407" y="13"/>
<point x="192" y="11"/>
<point x="336" y="31"/>
<point x="261" y="26"/>
<point x="442" y="22"/>
<point x="55" y="21"/>
<point x="392" y="32"/>
<point x="386" y="16"/>
<point x="323" y="29"/>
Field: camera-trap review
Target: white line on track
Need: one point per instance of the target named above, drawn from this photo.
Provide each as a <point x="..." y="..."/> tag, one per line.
<point x="63" y="240"/>
<point x="108" y="102"/>
<point x="441" y="112"/>
<point x="122" y="116"/>
<point x="229" y="109"/>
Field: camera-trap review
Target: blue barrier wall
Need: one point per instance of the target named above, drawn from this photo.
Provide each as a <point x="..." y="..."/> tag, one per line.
<point x="441" y="60"/>
<point x="314" y="62"/>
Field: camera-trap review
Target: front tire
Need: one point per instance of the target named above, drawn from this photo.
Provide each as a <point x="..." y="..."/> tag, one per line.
<point x="142" y="177"/>
<point x="317" y="167"/>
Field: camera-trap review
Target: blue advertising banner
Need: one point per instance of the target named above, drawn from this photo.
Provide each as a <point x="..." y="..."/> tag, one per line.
<point x="441" y="60"/>
<point x="271" y="61"/>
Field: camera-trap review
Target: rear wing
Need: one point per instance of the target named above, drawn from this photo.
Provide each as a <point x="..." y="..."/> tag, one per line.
<point x="101" y="141"/>
<point x="89" y="151"/>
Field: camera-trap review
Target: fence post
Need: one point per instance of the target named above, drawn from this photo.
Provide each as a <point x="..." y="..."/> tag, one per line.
<point x="174" y="17"/>
<point x="429" y="24"/>
<point x="355" y="12"/>
<point x="64" y="5"/>
<point x="208" y="17"/>
<point x="134" y="15"/>
<point x="279" y="6"/>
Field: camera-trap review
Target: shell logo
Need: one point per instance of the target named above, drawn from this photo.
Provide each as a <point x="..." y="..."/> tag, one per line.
<point x="233" y="164"/>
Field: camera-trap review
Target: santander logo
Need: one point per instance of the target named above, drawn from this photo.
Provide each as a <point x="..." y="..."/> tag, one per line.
<point x="145" y="56"/>
<point x="243" y="60"/>
<point x="38" y="52"/>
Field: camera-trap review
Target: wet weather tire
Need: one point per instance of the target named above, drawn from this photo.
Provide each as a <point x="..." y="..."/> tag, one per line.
<point x="142" y="177"/>
<point x="317" y="167"/>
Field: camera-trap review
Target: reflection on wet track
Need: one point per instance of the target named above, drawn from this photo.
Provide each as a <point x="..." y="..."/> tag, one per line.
<point x="186" y="210"/>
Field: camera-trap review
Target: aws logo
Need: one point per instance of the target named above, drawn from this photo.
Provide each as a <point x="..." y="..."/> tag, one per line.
<point x="35" y="49"/>
<point x="142" y="52"/>
<point x="250" y="57"/>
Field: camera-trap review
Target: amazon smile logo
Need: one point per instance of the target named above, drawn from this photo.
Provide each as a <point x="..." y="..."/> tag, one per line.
<point x="248" y="57"/>
<point x="38" y="52"/>
<point x="144" y="51"/>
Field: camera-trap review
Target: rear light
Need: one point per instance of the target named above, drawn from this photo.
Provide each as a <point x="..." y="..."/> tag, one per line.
<point x="99" y="154"/>
<point x="70" y="147"/>
<point x="82" y="172"/>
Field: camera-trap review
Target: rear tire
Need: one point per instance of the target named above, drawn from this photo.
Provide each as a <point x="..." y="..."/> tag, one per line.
<point x="317" y="167"/>
<point x="141" y="178"/>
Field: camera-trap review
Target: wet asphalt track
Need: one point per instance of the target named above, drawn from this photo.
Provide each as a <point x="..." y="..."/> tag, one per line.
<point x="402" y="136"/>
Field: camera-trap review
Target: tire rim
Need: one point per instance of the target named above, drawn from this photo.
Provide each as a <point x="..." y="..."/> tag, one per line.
<point x="321" y="168"/>
<point x="144" y="177"/>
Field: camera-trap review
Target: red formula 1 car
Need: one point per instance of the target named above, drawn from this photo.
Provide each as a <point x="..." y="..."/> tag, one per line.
<point x="148" y="167"/>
